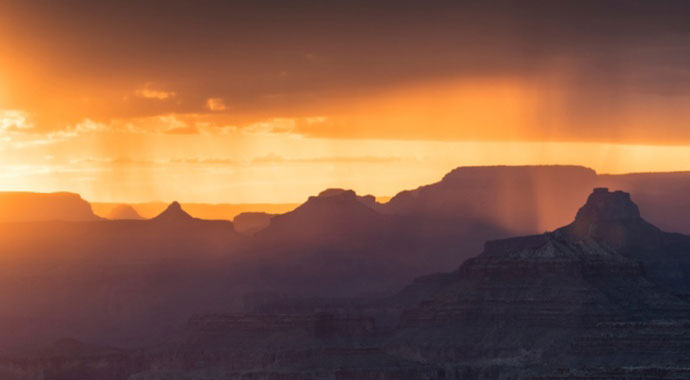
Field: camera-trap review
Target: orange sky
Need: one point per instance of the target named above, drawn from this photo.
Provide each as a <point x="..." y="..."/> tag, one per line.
<point x="256" y="103"/>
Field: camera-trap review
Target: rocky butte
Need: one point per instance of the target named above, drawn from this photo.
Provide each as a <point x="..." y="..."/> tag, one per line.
<point x="603" y="293"/>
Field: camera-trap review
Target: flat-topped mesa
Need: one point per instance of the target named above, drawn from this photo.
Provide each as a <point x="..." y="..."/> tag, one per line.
<point x="342" y="196"/>
<point x="499" y="172"/>
<point x="336" y="192"/>
<point x="172" y="213"/>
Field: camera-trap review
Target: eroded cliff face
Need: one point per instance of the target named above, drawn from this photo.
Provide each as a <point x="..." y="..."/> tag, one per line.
<point x="613" y="219"/>
<point x="577" y="296"/>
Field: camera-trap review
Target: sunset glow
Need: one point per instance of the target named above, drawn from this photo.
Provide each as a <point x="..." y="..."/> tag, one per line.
<point x="119" y="117"/>
<point x="353" y="189"/>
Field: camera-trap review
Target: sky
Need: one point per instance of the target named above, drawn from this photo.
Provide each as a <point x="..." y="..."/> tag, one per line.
<point x="273" y="101"/>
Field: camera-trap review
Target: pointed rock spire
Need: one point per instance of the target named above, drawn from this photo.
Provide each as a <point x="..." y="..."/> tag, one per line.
<point x="173" y="212"/>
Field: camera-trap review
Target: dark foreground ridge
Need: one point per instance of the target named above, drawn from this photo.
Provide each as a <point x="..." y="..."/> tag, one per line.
<point x="601" y="298"/>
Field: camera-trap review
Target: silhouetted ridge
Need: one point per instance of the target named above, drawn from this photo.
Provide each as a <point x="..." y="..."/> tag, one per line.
<point x="339" y="194"/>
<point x="519" y="199"/>
<point x="332" y="211"/>
<point x="335" y="192"/>
<point x="350" y="196"/>
<point x="480" y="172"/>
<point x="174" y="212"/>
<point x="343" y="200"/>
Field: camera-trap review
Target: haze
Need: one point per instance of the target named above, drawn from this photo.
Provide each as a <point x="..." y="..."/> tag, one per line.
<point x="273" y="101"/>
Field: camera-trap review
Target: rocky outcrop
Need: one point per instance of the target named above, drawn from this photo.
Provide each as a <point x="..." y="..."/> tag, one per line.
<point x="562" y="297"/>
<point x="661" y="197"/>
<point x="613" y="219"/>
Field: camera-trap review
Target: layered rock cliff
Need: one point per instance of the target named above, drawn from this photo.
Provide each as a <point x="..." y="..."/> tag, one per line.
<point x="560" y="297"/>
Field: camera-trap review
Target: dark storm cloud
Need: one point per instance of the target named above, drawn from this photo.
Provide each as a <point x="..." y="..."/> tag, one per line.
<point x="283" y="55"/>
